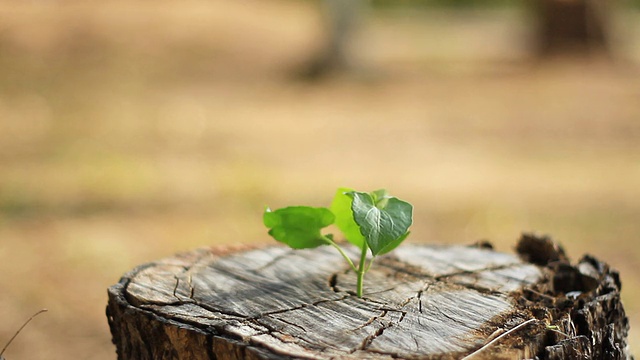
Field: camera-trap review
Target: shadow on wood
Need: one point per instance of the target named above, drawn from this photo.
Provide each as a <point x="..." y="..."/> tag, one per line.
<point x="421" y="301"/>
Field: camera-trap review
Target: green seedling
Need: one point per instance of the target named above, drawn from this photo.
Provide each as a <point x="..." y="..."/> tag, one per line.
<point x="374" y="222"/>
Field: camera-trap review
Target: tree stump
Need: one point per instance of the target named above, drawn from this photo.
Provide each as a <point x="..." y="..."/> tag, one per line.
<point x="420" y="302"/>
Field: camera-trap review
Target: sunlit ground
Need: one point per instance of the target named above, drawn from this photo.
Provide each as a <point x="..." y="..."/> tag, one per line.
<point x="130" y="131"/>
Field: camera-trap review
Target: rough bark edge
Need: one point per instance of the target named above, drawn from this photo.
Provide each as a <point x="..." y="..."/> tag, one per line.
<point x="171" y="339"/>
<point x="582" y="300"/>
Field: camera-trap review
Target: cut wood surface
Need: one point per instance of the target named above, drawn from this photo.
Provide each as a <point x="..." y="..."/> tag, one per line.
<point x="421" y="301"/>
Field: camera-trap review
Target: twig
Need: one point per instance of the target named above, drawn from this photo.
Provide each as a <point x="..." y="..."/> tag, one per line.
<point x="496" y="339"/>
<point x="22" y="327"/>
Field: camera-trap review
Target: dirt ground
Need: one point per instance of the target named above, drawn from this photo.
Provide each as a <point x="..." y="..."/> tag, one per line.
<point x="133" y="130"/>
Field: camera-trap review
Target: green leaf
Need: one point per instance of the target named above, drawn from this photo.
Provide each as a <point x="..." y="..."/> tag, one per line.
<point x="384" y="222"/>
<point x="379" y="195"/>
<point x="298" y="226"/>
<point x="394" y="244"/>
<point x="341" y="208"/>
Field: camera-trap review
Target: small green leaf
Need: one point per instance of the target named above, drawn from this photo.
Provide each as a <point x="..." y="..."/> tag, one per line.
<point x="270" y="218"/>
<point x="379" y="195"/>
<point x="298" y="226"/>
<point x="384" y="222"/>
<point x="341" y="208"/>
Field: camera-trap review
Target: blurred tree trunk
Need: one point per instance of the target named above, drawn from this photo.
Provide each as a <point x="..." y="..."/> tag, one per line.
<point x="341" y="18"/>
<point x="573" y="26"/>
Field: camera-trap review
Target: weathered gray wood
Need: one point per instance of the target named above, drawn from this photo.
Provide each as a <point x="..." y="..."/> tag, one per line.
<point x="419" y="302"/>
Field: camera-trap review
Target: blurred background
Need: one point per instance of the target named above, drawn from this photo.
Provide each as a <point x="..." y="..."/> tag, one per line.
<point x="132" y="130"/>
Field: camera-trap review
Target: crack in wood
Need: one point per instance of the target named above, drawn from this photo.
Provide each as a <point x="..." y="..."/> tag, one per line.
<point x="405" y="267"/>
<point x="333" y="283"/>
<point x="408" y="313"/>
<point x="315" y="303"/>
<point x="390" y="289"/>
<point x="190" y="285"/>
<point x="425" y="287"/>
<point x="452" y="318"/>
<point x="478" y="288"/>
<point x="225" y="312"/>
<point x="371" y="320"/>
<point x="369" y="339"/>
<point x="318" y="346"/>
<point x="400" y="266"/>
<point x="292" y="324"/>
<point x="475" y="272"/>
<point x="175" y="288"/>
<point x="415" y="342"/>
<point x="274" y="261"/>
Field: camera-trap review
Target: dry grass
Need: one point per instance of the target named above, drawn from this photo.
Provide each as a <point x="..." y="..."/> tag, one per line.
<point x="133" y="130"/>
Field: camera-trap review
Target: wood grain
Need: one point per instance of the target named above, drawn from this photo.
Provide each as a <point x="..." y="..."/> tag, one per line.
<point x="431" y="302"/>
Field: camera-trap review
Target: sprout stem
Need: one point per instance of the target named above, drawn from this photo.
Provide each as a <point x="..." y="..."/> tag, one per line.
<point x="344" y="255"/>
<point x="362" y="268"/>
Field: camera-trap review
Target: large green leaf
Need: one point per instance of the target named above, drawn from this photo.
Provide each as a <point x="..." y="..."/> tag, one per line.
<point x="383" y="220"/>
<point x="394" y="244"/>
<point x="341" y="208"/>
<point x="298" y="226"/>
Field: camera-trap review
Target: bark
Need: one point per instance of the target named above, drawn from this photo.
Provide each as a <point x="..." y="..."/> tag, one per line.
<point x="421" y="301"/>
